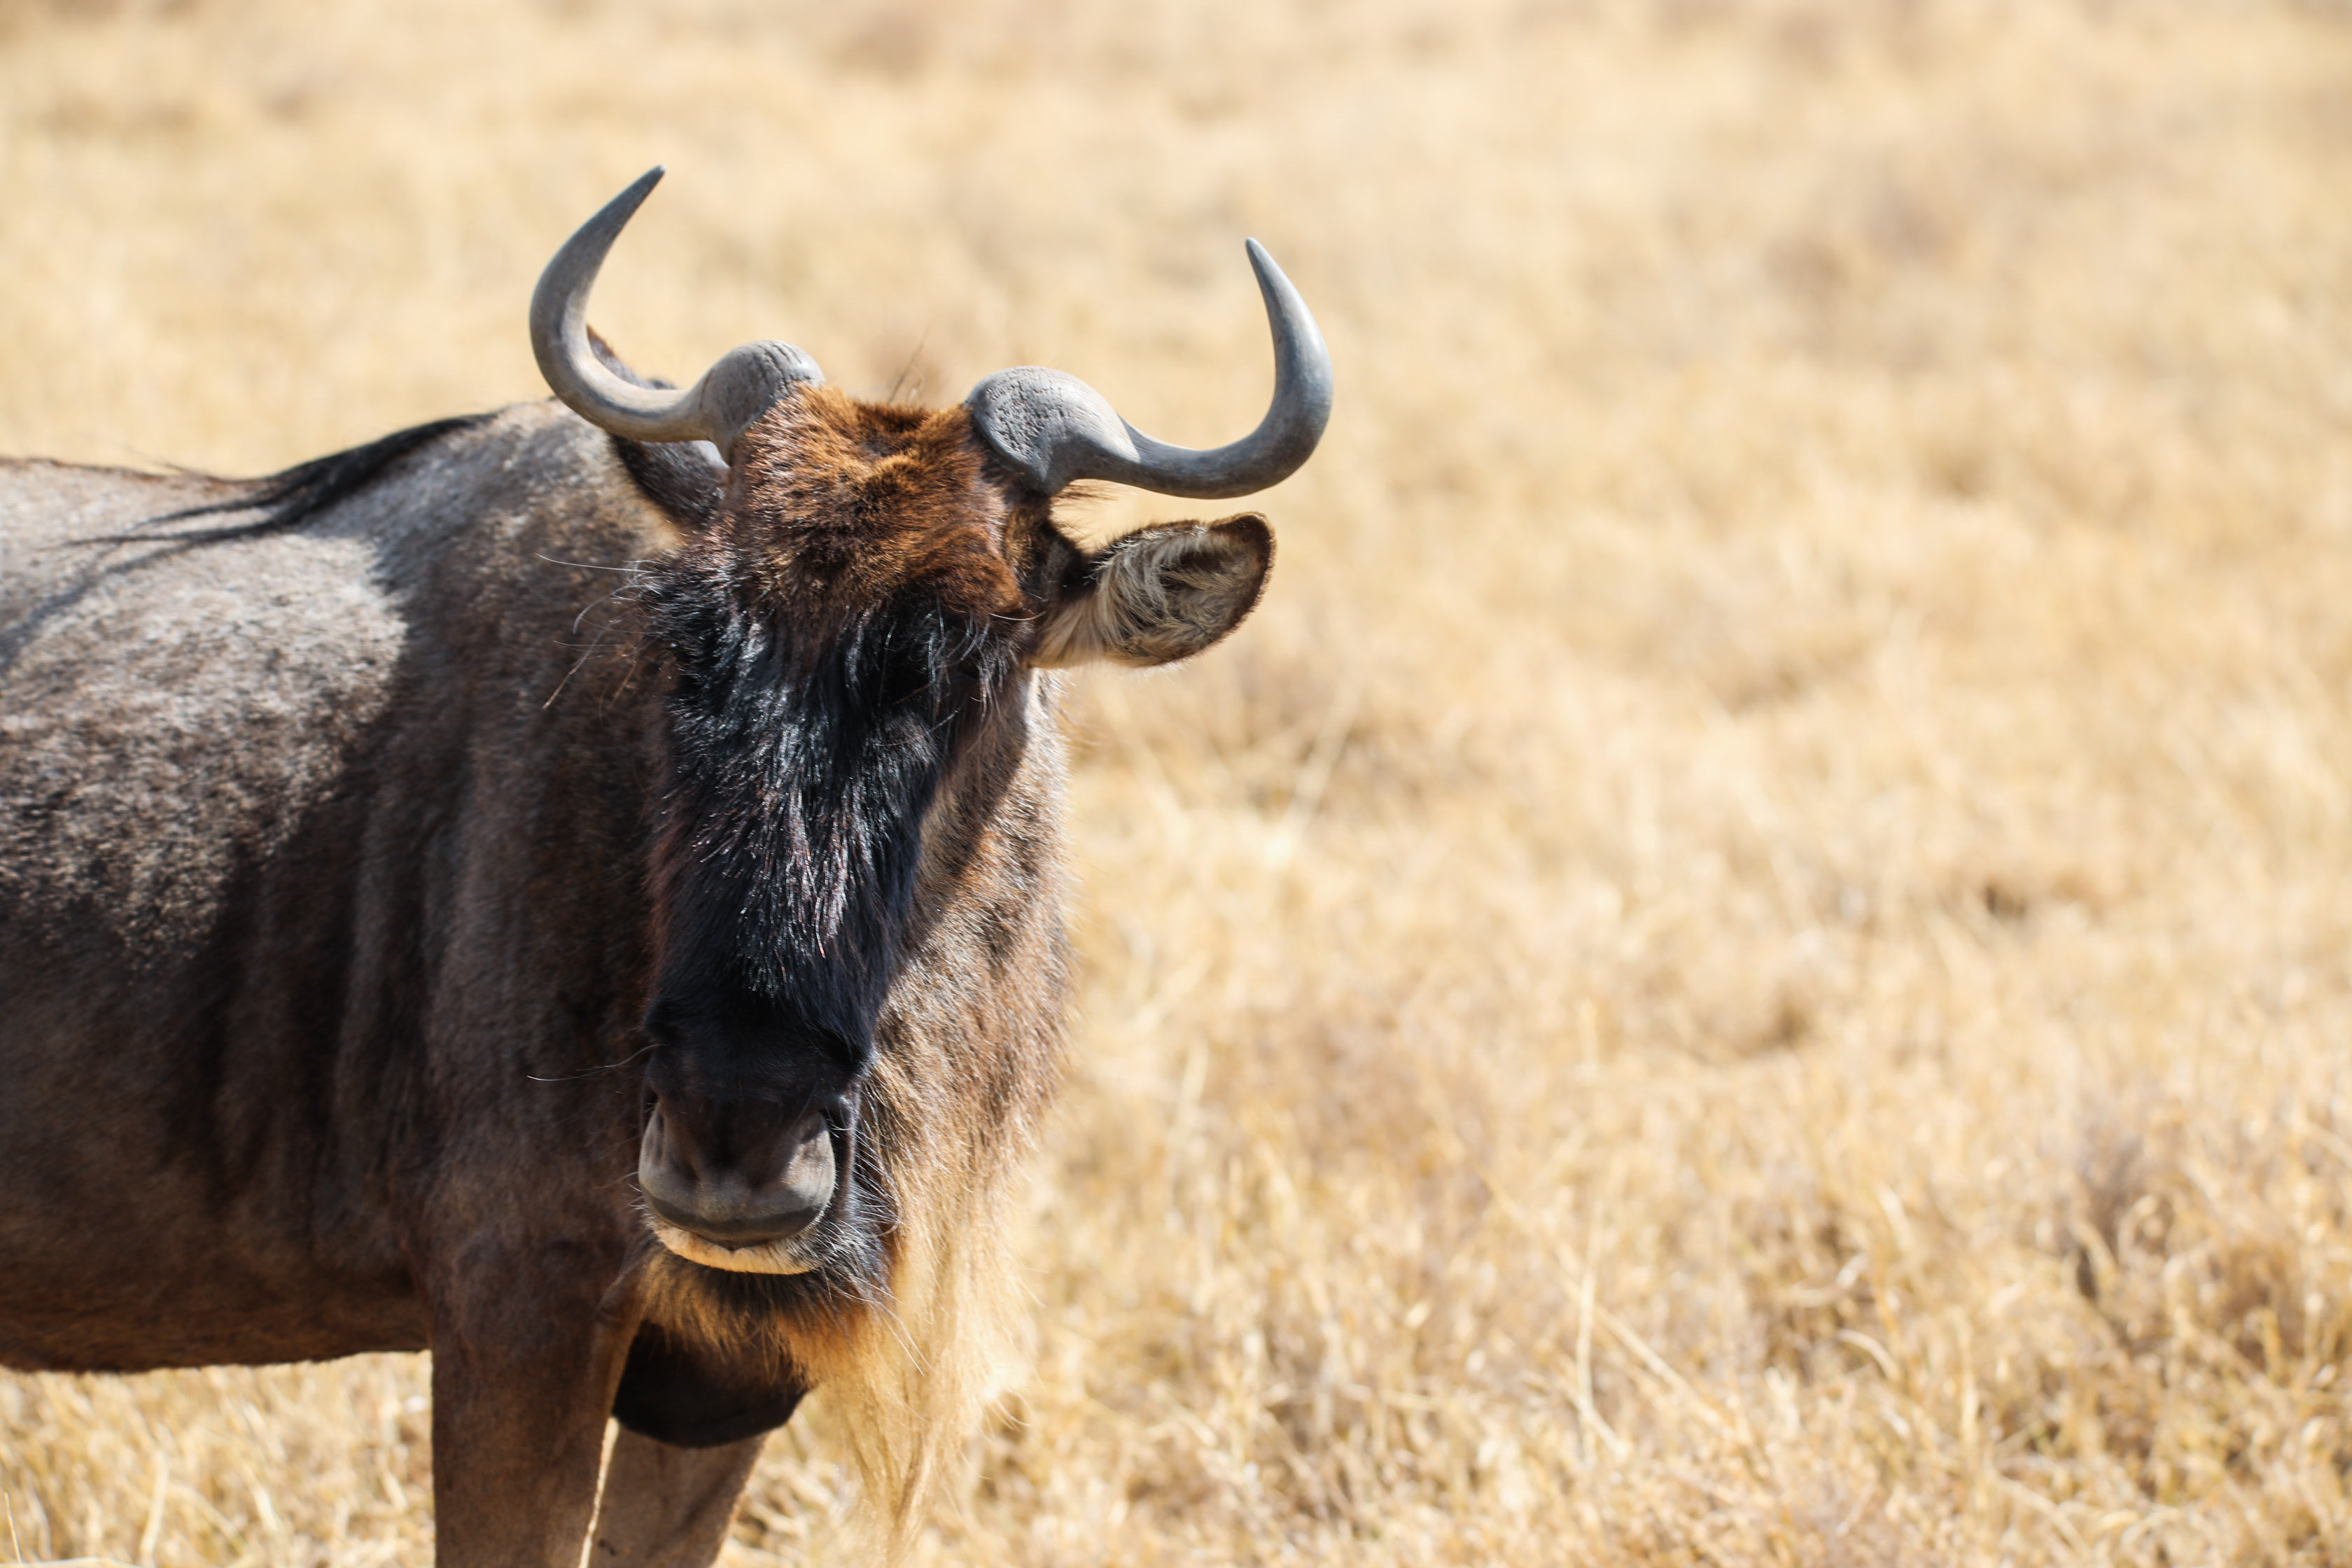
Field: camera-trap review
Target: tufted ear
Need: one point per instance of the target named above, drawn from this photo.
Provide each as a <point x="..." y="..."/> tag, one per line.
<point x="1163" y="592"/>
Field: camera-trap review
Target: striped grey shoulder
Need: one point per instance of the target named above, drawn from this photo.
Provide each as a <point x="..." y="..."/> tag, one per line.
<point x="175" y="699"/>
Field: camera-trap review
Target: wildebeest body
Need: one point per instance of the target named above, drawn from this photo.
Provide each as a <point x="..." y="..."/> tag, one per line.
<point x="584" y="901"/>
<point x="324" y="859"/>
<point x="325" y="873"/>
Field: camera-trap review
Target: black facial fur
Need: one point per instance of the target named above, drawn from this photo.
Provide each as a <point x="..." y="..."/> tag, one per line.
<point x="803" y="767"/>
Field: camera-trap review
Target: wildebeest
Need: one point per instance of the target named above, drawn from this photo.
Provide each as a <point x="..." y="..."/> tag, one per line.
<point x="639" y="986"/>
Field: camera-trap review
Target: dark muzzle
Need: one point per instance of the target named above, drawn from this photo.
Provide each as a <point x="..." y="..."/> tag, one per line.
<point x="744" y="1172"/>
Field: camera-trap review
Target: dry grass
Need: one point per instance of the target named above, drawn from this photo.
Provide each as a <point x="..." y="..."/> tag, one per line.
<point x="1749" y="962"/>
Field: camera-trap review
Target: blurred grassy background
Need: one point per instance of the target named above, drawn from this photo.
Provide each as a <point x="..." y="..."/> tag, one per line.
<point x="1749" y="962"/>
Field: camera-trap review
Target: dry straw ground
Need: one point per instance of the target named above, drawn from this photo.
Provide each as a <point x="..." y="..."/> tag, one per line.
<point x="1749" y="962"/>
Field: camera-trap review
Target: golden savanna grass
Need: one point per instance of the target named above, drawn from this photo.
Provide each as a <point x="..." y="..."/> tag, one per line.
<point x="1750" y="960"/>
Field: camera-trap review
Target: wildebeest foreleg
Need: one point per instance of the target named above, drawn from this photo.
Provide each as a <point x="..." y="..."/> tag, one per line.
<point x="519" y="1395"/>
<point x="667" y="1507"/>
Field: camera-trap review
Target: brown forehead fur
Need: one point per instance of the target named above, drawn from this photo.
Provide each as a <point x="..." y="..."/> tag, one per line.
<point x="846" y="504"/>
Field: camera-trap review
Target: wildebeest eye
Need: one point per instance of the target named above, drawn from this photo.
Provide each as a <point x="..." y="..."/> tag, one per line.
<point x="946" y="688"/>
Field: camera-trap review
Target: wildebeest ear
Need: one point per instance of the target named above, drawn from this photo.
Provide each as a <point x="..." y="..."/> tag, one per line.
<point x="1162" y="593"/>
<point x="687" y="480"/>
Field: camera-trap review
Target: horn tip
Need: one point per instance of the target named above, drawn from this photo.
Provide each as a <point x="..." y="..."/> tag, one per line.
<point x="616" y="213"/>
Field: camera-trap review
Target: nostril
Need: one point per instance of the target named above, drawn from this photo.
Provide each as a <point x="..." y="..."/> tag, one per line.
<point x="808" y="1173"/>
<point x="655" y="1147"/>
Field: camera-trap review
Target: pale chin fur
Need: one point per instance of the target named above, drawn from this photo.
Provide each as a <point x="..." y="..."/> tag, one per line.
<point x="773" y="1258"/>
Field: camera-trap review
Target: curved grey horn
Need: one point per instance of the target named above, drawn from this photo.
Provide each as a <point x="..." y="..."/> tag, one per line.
<point x="1055" y="428"/>
<point x="744" y="384"/>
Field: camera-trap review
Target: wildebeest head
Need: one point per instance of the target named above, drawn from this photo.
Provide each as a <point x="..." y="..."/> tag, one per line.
<point x="851" y="625"/>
